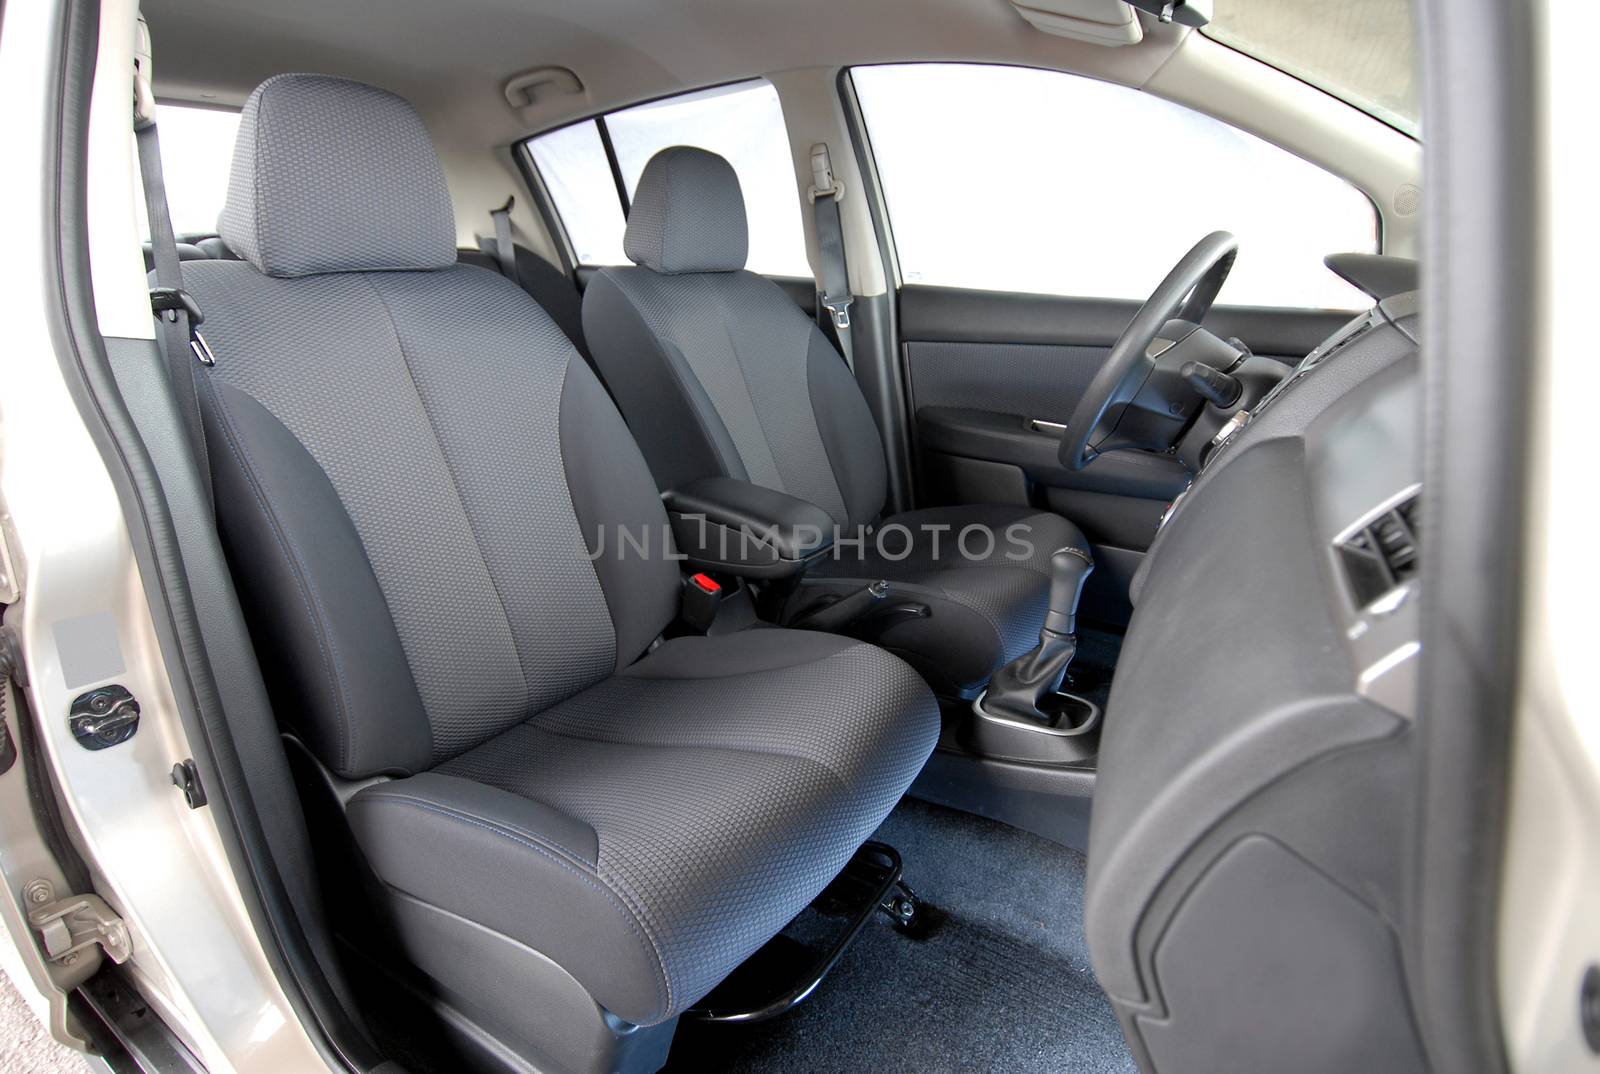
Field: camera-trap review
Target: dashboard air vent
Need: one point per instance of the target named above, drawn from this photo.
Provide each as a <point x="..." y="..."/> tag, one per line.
<point x="1380" y="555"/>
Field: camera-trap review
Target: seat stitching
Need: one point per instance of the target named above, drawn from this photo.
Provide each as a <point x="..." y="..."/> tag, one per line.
<point x="576" y="858"/>
<point x="678" y="366"/>
<point x="699" y="747"/>
<point x="810" y="410"/>
<point x="346" y="723"/>
<point x="258" y="198"/>
<point x="566" y="480"/>
<point x="827" y="452"/>
<point x="455" y="484"/>
<point x="752" y="751"/>
<point x="744" y="380"/>
<point x="593" y="879"/>
<point x="741" y="674"/>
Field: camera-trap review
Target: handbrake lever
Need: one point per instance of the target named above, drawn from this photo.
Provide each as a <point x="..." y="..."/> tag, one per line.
<point x="835" y="616"/>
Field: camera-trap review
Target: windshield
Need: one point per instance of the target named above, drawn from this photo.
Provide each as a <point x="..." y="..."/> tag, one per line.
<point x="1361" y="51"/>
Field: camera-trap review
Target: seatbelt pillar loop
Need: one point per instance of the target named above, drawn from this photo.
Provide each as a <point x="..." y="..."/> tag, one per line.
<point x="505" y="250"/>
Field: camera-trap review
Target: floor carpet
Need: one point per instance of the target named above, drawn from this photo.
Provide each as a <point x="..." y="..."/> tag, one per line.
<point x="1002" y="983"/>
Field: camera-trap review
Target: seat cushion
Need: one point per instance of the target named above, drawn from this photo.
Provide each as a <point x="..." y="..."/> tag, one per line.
<point x="1024" y="537"/>
<point x="654" y="830"/>
<point x="988" y="597"/>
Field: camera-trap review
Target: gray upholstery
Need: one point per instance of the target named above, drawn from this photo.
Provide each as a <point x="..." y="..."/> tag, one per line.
<point x="321" y="170"/>
<point x="419" y="483"/>
<point x="1000" y="592"/>
<point x="742" y="352"/>
<point x="440" y="472"/>
<point x="687" y="214"/>
<point x="755" y="756"/>
<point x="1025" y="538"/>
<point x="719" y="373"/>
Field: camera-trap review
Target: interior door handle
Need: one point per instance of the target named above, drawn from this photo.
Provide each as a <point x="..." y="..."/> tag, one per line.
<point x="1050" y="428"/>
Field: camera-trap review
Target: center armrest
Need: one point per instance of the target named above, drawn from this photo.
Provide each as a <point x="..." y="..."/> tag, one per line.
<point x="721" y="523"/>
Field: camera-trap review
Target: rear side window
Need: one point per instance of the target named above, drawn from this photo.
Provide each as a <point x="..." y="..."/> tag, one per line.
<point x="743" y="123"/>
<point x="1012" y="179"/>
<point x="196" y="156"/>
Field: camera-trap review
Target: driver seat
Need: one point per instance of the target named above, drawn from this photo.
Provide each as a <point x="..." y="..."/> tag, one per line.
<point x="719" y="373"/>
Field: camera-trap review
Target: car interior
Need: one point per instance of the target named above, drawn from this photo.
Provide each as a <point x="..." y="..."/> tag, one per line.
<point x="876" y="536"/>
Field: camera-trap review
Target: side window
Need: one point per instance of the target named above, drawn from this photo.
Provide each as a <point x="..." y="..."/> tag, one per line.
<point x="196" y="156"/>
<point x="1012" y="179"/>
<point x="743" y="123"/>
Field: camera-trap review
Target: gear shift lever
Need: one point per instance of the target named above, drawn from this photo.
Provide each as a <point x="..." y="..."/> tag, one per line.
<point x="1018" y="687"/>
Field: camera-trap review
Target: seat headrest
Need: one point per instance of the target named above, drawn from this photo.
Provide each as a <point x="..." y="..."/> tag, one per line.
<point x="687" y="214"/>
<point x="331" y="175"/>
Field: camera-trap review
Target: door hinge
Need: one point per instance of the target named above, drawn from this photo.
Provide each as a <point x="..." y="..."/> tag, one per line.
<point x="76" y="923"/>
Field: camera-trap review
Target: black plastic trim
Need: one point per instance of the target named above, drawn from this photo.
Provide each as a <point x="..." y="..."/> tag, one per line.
<point x="1482" y="224"/>
<point x="1052" y="803"/>
<point x="878" y="331"/>
<point x="881" y="877"/>
<point x="130" y="1036"/>
<point x="615" y="165"/>
<point x="962" y="315"/>
<point x="984" y="434"/>
<point x="722" y="523"/>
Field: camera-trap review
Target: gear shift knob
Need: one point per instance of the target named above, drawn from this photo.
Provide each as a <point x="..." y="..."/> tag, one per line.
<point x="1018" y="687"/>
<point x="1069" y="569"/>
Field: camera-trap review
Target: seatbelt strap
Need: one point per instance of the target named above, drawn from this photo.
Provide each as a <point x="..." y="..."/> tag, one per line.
<point x="177" y="315"/>
<point x="833" y="296"/>
<point x="505" y="250"/>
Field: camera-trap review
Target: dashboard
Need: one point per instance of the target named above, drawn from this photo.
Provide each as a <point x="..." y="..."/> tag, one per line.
<point x="1257" y="743"/>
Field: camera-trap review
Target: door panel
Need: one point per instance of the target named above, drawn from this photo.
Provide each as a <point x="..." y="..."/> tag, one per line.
<point x="953" y="314"/>
<point x="982" y="366"/>
<point x="1034" y="380"/>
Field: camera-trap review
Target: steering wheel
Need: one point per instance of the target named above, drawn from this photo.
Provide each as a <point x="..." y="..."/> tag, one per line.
<point x="1185" y="295"/>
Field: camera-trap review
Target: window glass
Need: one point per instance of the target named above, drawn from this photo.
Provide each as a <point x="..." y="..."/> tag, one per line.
<point x="572" y="163"/>
<point x="1006" y="178"/>
<point x="743" y="123"/>
<point x="1364" y="53"/>
<point x="196" y="156"/>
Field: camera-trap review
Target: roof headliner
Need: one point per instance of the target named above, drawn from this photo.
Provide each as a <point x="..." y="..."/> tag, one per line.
<point x="453" y="59"/>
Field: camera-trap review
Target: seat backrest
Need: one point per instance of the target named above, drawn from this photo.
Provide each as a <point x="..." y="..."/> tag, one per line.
<point x="715" y="368"/>
<point x="549" y="286"/>
<point x="413" y="466"/>
<point x="552" y="288"/>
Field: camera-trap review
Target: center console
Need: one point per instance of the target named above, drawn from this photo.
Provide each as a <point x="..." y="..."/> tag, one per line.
<point x="1024" y="715"/>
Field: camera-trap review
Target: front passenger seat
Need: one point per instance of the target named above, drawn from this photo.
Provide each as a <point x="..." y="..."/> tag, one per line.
<point x="576" y="829"/>
<point x="720" y="373"/>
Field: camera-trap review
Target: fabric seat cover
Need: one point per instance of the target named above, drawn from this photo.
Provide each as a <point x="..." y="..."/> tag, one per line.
<point x="719" y="373"/>
<point x="413" y="467"/>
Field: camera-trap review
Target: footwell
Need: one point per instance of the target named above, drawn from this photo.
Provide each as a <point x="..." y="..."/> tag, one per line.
<point x="1000" y="982"/>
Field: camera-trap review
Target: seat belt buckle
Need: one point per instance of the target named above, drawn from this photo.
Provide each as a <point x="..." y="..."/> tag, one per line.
<point x="702" y="596"/>
<point x="840" y="311"/>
